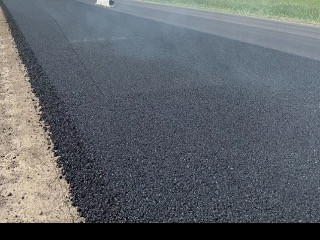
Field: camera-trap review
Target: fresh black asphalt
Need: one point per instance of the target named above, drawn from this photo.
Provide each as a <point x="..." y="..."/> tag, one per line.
<point x="159" y="123"/>
<point x="278" y="35"/>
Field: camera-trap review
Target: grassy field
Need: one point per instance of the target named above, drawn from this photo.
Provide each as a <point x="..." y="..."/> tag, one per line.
<point x="307" y="11"/>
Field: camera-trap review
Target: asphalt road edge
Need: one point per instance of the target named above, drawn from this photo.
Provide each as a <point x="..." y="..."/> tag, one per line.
<point x="59" y="125"/>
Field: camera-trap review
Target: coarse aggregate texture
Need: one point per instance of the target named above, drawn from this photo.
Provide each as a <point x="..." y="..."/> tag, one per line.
<point x="158" y="123"/>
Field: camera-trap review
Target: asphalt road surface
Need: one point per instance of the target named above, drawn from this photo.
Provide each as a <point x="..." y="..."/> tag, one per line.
<point x="162" y="114"/>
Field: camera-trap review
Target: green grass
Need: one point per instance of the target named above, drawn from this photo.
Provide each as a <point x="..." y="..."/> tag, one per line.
<point x="307" y="11"/>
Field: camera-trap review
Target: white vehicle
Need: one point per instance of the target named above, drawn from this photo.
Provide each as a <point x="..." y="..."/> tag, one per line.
<point x="105" y="3"/>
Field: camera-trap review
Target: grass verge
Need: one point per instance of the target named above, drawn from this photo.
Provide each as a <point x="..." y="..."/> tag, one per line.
<point x="305" y="11"/>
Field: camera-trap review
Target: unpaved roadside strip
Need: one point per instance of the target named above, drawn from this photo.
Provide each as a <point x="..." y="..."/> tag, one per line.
<point x="31" y="186"/>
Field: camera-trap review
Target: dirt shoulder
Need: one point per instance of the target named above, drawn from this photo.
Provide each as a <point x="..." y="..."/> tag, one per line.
<point x="31" y="186"/>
